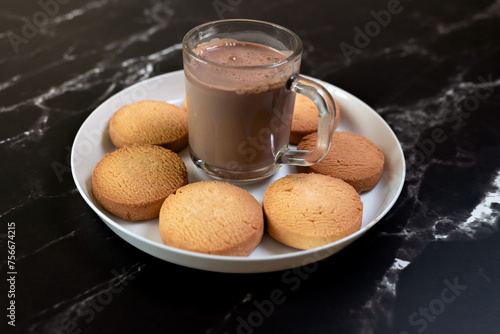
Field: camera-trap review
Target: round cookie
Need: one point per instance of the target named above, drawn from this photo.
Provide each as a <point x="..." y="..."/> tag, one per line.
<point x="352" y="158"/>
<point x="150" y="122"/>
<point x="212" y="217"/>
<point x="133" y="182"/>
<point x="311" y="210"/>
<point x="305" y="118"/>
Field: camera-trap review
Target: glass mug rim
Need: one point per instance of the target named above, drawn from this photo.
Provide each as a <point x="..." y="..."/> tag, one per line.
<point x="293" y="56"/>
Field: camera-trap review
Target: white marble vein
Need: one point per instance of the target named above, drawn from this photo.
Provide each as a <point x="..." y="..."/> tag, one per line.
<point x="481" y="218"/>
<point x="35" y="194"/>
<point x="248" y="297"/>
<point x="143" y="36"/>
<point x="483" y="214"/>
<point x="80" y="11"/>
<point x="410" y="120"/>
<point x="129" y="72"/>
<point x="49" y="244"/>
<point x="72" y="309"/>
<point x="491" y="12"/>
<point x="481" y="221"/>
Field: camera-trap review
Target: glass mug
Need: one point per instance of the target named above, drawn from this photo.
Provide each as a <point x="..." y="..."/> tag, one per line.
<point x="241" y="80"/>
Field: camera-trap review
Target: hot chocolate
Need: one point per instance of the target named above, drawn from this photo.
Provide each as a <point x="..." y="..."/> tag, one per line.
<point x="241" y="80"/>
<point x="239" y="114"/>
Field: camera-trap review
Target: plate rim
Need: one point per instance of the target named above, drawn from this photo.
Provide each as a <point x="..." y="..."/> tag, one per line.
<point x="232" y="259"/>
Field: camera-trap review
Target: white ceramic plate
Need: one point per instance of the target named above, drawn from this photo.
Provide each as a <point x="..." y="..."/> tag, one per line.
<point x="92" y="142"/>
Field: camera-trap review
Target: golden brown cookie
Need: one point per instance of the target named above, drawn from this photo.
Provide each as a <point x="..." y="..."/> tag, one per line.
<point x="310" y="210"/>
<point x="212" y="217"/>
<point x="305" y="118"/>
<point x="132" y="182"/>
<point x="352" y="158"/>
<point x="150" y="122"/>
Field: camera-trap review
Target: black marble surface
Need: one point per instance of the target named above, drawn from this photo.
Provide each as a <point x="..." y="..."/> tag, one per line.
<point x="431" y="69"/>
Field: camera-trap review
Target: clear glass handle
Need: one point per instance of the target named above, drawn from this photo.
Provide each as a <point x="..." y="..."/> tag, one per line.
<point x="326" y="124"/>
